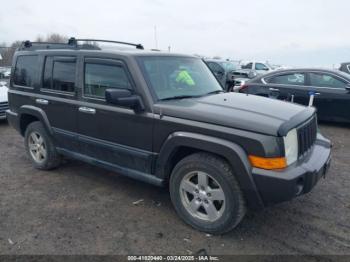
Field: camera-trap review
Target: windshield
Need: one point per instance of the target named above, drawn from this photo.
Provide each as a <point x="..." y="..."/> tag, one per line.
<point x="178" y="77"/>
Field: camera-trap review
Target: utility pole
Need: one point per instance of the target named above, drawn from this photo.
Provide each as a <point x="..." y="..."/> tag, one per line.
<point x="155" y="37"/>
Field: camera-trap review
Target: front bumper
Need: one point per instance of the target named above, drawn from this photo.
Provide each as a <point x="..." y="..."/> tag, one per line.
<point x="297" y="179"/>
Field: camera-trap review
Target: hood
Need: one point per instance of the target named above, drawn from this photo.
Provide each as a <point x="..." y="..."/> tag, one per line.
<point x="3" y="93"/>
<point x="239" y="111"/>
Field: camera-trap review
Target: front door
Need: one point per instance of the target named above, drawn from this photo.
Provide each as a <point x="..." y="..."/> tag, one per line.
<point x="115" y="135"/>
<point x="332" y="98"/>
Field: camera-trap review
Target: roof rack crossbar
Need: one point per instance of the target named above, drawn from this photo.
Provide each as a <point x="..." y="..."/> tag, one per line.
<point x="73" y="41"/>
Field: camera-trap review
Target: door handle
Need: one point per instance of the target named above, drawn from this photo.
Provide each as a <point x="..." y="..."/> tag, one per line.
<point x="87" y="110"/>
<point x="41" y="101"/>
<point x="274" y="89"/>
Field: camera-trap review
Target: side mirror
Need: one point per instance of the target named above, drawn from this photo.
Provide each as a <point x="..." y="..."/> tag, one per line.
<point x="124" y="97"/>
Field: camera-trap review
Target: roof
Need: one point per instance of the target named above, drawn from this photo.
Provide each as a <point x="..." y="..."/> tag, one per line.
<point x="307" y="69"/>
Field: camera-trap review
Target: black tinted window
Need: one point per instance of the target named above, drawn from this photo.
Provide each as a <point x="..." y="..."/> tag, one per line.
<point x="63" y="77"/>
<point x="215" y="67"/>
<point x="288" y="79"/>
<point x="99" y="77"/>
<point x="324" y="80"/>
<point x="59" y="75"/>
<point x="47" y="81"/>
<point x="26" y="70"/>
<point x="247" y="66"/>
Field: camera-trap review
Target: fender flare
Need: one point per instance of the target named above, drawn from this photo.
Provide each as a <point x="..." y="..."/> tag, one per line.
<point x="38" y="113"/>
<point x="232" y="152"/>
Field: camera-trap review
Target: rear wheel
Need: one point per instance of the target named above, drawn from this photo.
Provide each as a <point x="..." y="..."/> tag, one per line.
<point x="206" y="194"/>
<point x="40" y="147"/>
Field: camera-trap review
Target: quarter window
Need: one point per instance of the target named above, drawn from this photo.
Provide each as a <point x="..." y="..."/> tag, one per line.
<point x="288" y="79"/>
<point x="26" y="71"/>
<point x="59" y="75"/>
<point x="99" y="77"/>
<point x="325" y="80"/>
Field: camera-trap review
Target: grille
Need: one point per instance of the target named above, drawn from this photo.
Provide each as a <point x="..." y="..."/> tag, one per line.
<point x="3" y="107"/>
<point x="307" y="136"/>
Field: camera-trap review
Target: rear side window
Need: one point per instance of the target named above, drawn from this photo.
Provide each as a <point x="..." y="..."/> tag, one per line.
<point x="99" y="77"/>
<point x="26" y="70"/>
<point x="288" y="79"/>
<point x="59" y="74"/>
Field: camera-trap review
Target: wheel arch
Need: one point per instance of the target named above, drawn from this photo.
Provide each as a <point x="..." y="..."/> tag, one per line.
<point x="29" y="114"/>
<point x="181" y="144"/>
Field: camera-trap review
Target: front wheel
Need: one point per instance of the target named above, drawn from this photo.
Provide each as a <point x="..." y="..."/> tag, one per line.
<point x="206" y="194"/>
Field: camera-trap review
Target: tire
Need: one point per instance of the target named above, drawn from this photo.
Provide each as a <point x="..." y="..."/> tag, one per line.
<point x="229" y="212"/>
<point x="36" y="134"/>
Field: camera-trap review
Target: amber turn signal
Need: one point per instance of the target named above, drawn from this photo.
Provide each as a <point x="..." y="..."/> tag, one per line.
<point x="268" y="163"/>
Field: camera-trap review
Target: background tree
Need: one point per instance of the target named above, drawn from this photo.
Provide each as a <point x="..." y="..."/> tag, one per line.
<point x="8" y="51"/>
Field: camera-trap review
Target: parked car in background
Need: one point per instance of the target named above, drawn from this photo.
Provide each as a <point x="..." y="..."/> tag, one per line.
<point x="331" y="89"/>
<point x="259" y="67"/>
<point x="3" y="99"/>
<point x="345" y="67"/>
<point x="229" y="73"/>
<point x="223" y="71"/>
<point x="5" y="73"/>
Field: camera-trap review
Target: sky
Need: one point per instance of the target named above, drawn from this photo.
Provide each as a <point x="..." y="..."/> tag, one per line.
<point x="288" y="32"/>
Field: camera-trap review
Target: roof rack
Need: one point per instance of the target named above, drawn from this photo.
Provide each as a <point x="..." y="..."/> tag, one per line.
<point x="74" y="41"/>
<point x="71" y="44"/>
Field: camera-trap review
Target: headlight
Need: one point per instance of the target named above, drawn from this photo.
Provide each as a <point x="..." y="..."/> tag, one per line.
<point x="291" y="146"/>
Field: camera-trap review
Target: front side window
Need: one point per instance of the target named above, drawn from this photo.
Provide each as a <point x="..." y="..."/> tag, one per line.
<point x="174" y="77"/>
<point x="325" y="80"/>
<point x="288" y="79"/>
<point x="260" y="66"/>
<point x="247" y="66"/>
<point x="59" y="75"/>
<point x="99" y="77"/>
<point x="26" y="70"/>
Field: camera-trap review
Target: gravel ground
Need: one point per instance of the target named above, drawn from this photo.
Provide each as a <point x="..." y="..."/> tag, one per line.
<point x="81" y="209"/>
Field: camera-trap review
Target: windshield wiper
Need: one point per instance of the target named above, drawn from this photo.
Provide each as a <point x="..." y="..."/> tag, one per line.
<point x="214" y="92"/>
<point x="176" y="97"/>
<point x="188" y="96"/>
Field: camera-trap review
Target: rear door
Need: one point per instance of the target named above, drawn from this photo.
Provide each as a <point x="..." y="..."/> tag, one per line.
<point x="288" y="86"/>
<point x="58" y="98"/>
<point x="113" y="134"/>
<point x="332" y="98"/>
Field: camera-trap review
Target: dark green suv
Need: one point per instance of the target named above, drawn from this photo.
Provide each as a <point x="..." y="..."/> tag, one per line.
<point x="164" y="119"/>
